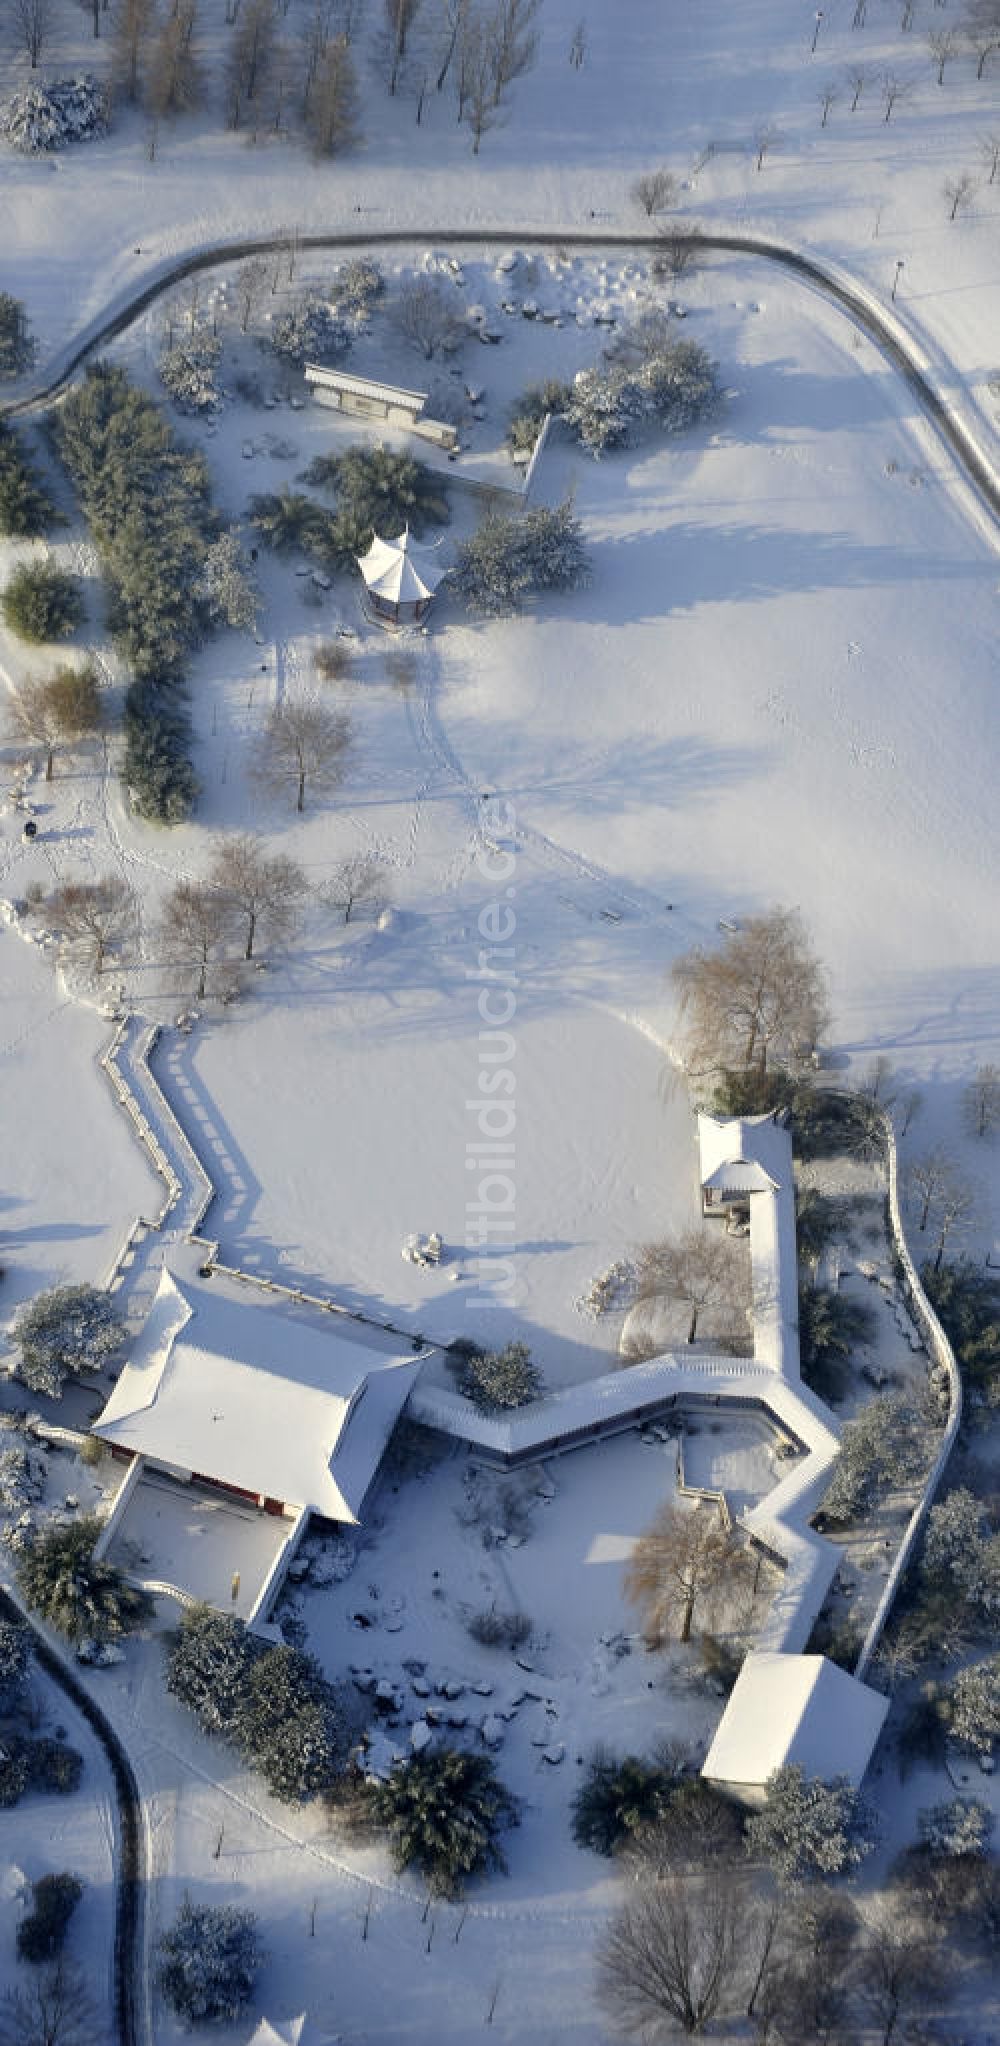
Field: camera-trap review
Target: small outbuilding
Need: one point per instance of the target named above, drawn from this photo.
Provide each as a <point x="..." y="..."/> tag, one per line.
<point x="365" y="397"/>
<point x="400" y="579"/>
<point x="793" y="1709"/>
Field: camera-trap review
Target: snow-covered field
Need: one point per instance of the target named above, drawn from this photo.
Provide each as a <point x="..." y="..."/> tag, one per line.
<point x="780" y="686"/>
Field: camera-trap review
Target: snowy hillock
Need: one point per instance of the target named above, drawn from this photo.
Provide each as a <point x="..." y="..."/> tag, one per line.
<point x="46" y="117"/>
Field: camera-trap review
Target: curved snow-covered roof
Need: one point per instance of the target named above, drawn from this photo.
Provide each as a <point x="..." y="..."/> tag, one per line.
<point x="399" y="571"/>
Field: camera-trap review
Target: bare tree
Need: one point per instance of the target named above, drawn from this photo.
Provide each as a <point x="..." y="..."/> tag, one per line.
<point x="251" y="285"/>
<point x="911" y="1105"/>
<point x="902" y="1969"/>
<point x="982" y="34"/>
<point x="676" y="251"/>
<point x="133" y="25"/>
<point x="56" y="2010"/>
<point x="698" y="1267"/>
<point x="877" y="1083"/>
<point x="894" y="90"/>
<point x="654" y="191"/>
<point x="258" y="890"/>
<point x="315" y="35"/>
<point x="175" y="79"/>
<point x="989" y="151"/>
<point x="672" y="1955"/>
<point x="686" y="1557"/>
<point x="928" y="1177"/>
<point x="98" y="916"/>
<point x="34" y="20"/>
<point x="400" y="16"/>
<point x="479" y="102"/>
<point x="332" y="113"/>
<point x="302" y="745"/>
<point x="958" y="192"/>
<point x="194" y="927"/>
<point x="857" y="79"/>
<point x="758" y="996"/>
<point x="578" y="46"/>
<point x="765" y="139"/>
<point x="64" y="706"/>
<point x="425" y="314"/>
<point x="515" y="41"/>
<point x="801" y="1987"/>
<point x="955" y="1205"/>
<point x="454" y="14"/>
<point x="828" y="98"/>
<point x="981" y="1102"/>
<point x="944" y="44"/>
<point x="251" y="59"/>
<point x="400" y="666"/>
<point x="355" y="880"/>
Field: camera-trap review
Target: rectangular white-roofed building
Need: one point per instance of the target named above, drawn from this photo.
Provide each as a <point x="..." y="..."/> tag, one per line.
<point x="239" y="1393"/>
<point x="793" y="1709"/>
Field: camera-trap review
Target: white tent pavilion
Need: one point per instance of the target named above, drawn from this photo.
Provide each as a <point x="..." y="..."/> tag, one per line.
<point x="401" y="578"/>
<point x="300" y="2031"/>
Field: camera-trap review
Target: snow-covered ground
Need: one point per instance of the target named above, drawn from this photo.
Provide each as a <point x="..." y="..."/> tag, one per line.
<point x="779" y="687"/>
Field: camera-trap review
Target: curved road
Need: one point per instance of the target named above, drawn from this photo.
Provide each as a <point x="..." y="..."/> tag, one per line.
<point x="130" y="1871"/>
<point x="881" y="327"/>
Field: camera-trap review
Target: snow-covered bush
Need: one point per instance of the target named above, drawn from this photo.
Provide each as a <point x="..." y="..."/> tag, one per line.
<point x="493" y="1629"/>
<point x="208" y="1962"/>
<point x="15" y="1775"/>
<point x="82" y="1597"/>
<point x="23" y="1469"/>
<point x="507" y="560"/>
<point x="603" y="408"/>
<point x="617" y="1798"/>
<point x="15" y="1662"/>
<point x="70" y="1329"/>
<point x="809" y="1828"/>
<point x="188" y="371"/>
<point x="975" y="1706"/>
<point x="962" y="1826"/>
<point x="443" y="1811"/>
<point x="529" y="412"/>
<point x="310" y="332"/>
<point x="42" y="117"/>
<point x="41" y="602"/>
<point x="497" y="1379"/>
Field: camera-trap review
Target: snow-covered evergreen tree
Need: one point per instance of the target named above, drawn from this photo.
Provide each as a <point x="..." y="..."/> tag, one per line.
<point x="885" y="1444"/>
<point x="226" y="585"/>
<point x="23" y="1468"/>
<point x="84" y="1598"/>
<point x="960" y="1555"/>
<point x="70" y="1329"/>
<point x="809" y="1828"/>
<point x="288" y="1725"/>
<point x="43" y="117"/>
<point x="189" y="371"/>
<point x="507" y="560"/>
<point x="497" y="1379"/>
<point x="603" y="408"/>
<point x="444" y="1811"/>
<point x="209" y="1659"/>
<point x="208" y="1962"/>
<point x="673" y="386"/>
<point x="356" y="285"/>
<point x="975" y="1706"/>
<point x="310" y="332"/>
<point x="15" y="1662"/>
<point x="961" y="1826"/>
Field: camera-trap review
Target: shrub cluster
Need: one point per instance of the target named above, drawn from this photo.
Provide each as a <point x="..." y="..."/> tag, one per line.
<point x="87" y="1599"/>
<point x="30" y="1763"/>
<point x="25" y="509"/>
<point x="42" y="603"/>
<point x="42" y="1934"/>
<point x="274" y="1703"/>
